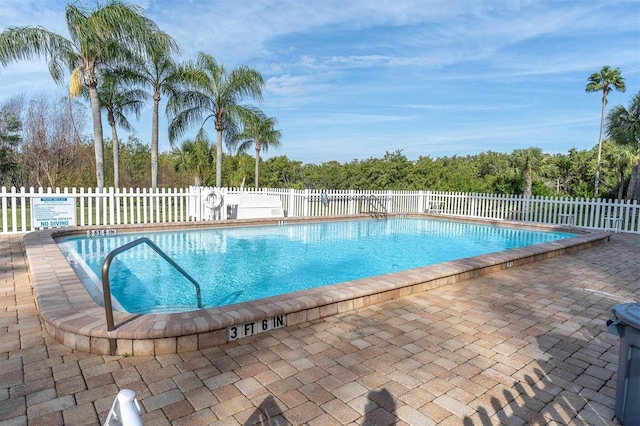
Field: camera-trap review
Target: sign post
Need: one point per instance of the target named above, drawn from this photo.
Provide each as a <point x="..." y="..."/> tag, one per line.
<point x="51" y="211"/>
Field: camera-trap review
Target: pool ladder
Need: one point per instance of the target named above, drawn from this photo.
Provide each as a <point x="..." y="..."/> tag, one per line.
<point x="377" y="207"/>
<point x="106" y="286"/>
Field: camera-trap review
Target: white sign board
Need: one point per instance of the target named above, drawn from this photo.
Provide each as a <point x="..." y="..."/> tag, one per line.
<point x="53" y="211"/>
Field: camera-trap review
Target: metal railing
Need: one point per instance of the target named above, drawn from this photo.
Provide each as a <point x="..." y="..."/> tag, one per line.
<point x="106" y="286"/>
<point x="379" y="210"/>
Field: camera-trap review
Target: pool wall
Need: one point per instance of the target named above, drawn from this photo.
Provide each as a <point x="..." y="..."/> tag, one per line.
<point x="73" y="318"/>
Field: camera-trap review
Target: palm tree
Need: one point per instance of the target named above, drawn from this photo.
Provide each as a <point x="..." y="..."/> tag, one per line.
<point x="620" y="158"/>
<point x="258" y="131"/>
<point x="118" y="101"/>
<point x="241" y="167"/>
<point x="158" y="71"/>
<point x="105" y="35"/>
<point x="623" y="127"/>
<point x="531" y="162"/>
<point x="603" y="81"/>
<point x="194" y="157"/>
<point x="214" y="94"/>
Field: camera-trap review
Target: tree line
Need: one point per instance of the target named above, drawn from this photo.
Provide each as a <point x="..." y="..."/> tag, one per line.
<point x="41" y="145"/>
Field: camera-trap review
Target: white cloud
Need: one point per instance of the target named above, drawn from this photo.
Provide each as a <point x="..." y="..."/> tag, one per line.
<point x="293" y="86"/>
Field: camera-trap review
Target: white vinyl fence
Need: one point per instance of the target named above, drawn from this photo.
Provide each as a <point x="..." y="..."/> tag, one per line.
<point x="616" y="215"/>
<point x="109" y="207"/>
<point x="141" y="206"/>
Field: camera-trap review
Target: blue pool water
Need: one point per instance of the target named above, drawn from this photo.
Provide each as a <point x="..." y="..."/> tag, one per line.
<point x="247" y="263"/>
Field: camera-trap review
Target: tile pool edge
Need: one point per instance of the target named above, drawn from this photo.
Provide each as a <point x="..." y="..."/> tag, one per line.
<point x="73" y="318"/>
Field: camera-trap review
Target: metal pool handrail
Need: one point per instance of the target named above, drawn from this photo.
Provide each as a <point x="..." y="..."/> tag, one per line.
<point x="379" y="209"/>
<point x="106" y="287"/>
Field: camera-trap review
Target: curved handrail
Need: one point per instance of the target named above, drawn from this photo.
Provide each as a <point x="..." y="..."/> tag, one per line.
<point x="379" y="209"/>
<point x="106" y="287"/>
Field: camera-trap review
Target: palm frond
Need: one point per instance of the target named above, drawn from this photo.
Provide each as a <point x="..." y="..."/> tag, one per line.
<point x="623" y="125"/>
<point x="26" y="43"/>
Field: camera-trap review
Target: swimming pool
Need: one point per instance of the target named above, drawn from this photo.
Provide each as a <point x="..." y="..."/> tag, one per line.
<point x="234" y="265"/>
<point x="72" y="317"/>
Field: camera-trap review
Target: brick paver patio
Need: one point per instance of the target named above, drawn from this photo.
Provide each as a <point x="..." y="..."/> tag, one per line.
<point x="527" y="345"/>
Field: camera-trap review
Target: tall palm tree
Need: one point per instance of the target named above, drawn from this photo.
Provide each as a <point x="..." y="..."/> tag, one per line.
<point x="258" y="132"/>
<point x="105" y="35"/>
<point x="604" y="81"/>
<point x="118" y="101"/>
<point x="156" y="70"/>
<point x="623" y="127"/>
<point x="215" y="94"/>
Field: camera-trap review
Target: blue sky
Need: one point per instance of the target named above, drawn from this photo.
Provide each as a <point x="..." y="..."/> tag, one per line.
<point x="354" y="79"/>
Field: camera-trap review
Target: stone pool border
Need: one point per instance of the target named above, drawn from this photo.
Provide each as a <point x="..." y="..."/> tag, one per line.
<point x="74" y="319"/>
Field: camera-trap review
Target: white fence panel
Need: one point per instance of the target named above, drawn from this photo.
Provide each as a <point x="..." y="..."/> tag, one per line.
<point x="105" y="208"/>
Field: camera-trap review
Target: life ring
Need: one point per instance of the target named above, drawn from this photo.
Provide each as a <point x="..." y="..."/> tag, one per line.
<point x="214" y="200"/>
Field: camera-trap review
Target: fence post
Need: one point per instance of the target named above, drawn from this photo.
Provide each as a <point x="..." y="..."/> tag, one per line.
<point x="81" y="198"/>
<point x="305" y="202"/>
<point x="14" y="210"/>
<point x="173" y="205"/>
<point x="125" y="206"/>
<point x="202" y="196"/>
<point x="118" y="205"/>
<point x="163" y="204"/>
<point x="175" y="216"/>
<point x="473" y="212"/>
<point x="111" y="202"/>
<point x="291" y="204"/>
<point x="5" y="225"/>
<point x="223" y="207"/>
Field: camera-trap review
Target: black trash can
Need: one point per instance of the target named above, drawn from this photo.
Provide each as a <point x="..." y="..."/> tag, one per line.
<point x="625" y="322"/>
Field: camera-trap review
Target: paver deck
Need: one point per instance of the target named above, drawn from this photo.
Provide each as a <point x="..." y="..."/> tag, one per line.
<point x="526" y="345"/>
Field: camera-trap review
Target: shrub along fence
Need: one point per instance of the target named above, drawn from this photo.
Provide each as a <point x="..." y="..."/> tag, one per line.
<point x="23" y="210"/>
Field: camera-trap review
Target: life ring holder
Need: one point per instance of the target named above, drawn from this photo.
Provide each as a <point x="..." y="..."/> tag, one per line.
<point x="214" y="200"/>
<point x="324" y="199"/>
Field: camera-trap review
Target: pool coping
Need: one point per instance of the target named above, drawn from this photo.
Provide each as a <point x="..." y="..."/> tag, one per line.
<point x="74" y="319"/>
